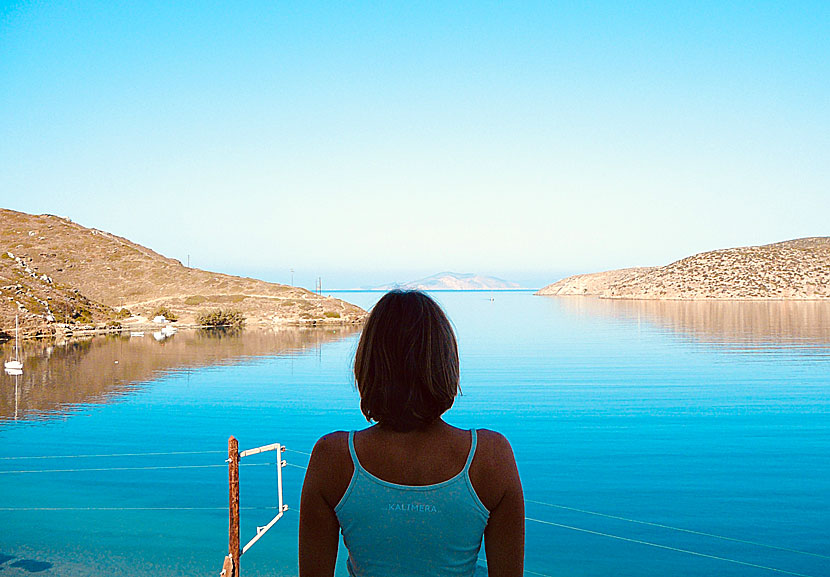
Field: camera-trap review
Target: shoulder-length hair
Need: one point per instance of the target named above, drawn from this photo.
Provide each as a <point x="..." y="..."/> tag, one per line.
<point x="406" y="365"/>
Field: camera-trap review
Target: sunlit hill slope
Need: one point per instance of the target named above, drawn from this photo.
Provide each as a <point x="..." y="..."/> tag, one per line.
<point x="55" y="272"/>
<point x="794" y="269"/>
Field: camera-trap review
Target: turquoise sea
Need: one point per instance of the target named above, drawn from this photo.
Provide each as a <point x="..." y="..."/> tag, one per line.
<point x="653" y="438"/>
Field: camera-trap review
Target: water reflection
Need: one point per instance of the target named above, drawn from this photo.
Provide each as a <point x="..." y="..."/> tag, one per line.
<point x="738" y="323"/>
<point x="94" y="370"/>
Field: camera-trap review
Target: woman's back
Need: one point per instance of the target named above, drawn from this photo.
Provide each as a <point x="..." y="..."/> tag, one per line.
<point x="436" y="526"/>
<point x="418" y="503"/>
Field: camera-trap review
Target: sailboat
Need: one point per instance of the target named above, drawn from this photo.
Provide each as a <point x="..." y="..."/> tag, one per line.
<point x="15" y="364"/>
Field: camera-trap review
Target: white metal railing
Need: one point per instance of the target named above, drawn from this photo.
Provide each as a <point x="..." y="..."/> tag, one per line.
<point x="282" y="508"/>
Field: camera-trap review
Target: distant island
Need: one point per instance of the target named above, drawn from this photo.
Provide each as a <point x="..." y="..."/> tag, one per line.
<point x="794" y="269"/>
<point x="451" y="281"/>
<point x="59" y="276"/>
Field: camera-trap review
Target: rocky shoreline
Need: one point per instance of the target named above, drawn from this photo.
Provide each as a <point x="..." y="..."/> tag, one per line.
<point x="60" y="331"/>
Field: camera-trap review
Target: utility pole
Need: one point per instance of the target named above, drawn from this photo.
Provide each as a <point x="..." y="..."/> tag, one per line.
<point x="292" y="277"/>
<point x="188" y="261"/>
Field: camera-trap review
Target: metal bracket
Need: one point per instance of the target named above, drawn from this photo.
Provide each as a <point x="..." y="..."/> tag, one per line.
<point x="262" y="449"/>
<point x="260" y="531"/>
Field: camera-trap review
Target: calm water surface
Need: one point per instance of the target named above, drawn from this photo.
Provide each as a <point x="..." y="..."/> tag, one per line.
<point x="629" y="420"/>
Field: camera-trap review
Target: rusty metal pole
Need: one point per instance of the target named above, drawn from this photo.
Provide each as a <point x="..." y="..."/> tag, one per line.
<point x="233" y="488"/>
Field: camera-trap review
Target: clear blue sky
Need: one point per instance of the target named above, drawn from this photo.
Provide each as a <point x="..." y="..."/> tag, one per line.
<point x="368" y="143"/>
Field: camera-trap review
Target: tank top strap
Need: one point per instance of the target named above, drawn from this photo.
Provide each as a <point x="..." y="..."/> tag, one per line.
<point x="353" y="453"/>
<point x="473" y="443"/>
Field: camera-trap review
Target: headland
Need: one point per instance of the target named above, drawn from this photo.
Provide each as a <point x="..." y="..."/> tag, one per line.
<point x="794" y="269"/>
<point x="58" y="276"/>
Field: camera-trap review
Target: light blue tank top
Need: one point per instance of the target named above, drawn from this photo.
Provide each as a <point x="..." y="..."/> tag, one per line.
<point x="395" y="530"/>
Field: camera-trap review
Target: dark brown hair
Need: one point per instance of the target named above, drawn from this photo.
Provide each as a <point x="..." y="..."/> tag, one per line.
<point x="406" y="365"/>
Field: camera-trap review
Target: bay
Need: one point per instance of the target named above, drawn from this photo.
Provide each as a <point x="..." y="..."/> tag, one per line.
<point x="653" y="438"/>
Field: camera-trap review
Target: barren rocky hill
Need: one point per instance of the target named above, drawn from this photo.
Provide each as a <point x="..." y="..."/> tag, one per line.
<point x="795" y="269"/>
<point x="590" y="284"/>
<point x="55" y="272"/>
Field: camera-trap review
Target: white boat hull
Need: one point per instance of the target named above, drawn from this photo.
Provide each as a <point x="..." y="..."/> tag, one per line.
<point x="15" y="364"/>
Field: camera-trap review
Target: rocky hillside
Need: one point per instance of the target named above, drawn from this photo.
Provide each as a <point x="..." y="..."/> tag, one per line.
<point x="590" y="284"/>
<point x="795" y="269"/>
<point x="55" y="272"/>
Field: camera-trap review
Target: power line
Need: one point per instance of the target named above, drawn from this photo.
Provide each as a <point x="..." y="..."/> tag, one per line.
<point x="693" y="532"/>
<point x="298" y="452"/>
<point x="19" y="457"/>
<point x="667" y="547"/>
<point x="131" y="508"/>
<point x="149" y="468"/>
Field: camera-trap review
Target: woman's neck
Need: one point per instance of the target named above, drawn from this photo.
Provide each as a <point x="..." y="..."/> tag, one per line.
<point x="437" y="426"/>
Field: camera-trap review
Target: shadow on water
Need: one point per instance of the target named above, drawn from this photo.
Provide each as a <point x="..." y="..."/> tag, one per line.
<point x="57" y="377"/>
<point x="730" y="324"/>
<point x="29" y="565"/>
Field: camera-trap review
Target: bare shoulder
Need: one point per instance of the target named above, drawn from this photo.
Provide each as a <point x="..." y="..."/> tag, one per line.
<point x="330" y="468"/>
<point x="331" y="454"/>
<point x="331" y="445"/>
<point x="493" y="470"/>
<point x="493" y="447"/>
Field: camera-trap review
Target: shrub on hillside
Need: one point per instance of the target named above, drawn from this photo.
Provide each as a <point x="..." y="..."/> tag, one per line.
<point x="166" y="313"/>
<point x="220" y="318"/>
<point x="123" y="314"/>
<point x="81" y="316"/>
